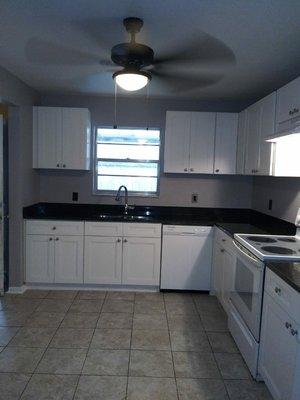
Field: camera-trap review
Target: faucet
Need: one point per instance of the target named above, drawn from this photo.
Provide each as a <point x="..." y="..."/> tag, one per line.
<point x="118" y="198"/>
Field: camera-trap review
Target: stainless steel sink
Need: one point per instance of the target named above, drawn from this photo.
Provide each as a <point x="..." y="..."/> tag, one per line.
<point x="123" y="217"/>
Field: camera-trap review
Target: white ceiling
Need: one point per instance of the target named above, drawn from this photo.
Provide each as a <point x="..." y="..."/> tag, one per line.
<point x="56" y="45"/>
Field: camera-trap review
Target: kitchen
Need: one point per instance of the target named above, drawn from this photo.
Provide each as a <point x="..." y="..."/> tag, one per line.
<point x="170" y="287"/>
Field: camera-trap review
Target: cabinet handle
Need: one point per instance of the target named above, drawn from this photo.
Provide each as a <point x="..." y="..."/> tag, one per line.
<point x="288" y="325"/>
<point x="64" y="165"/>
<point x="50" y="239"/>
<point x="222" y="250"/>
<point x="278" y="291"/>
<point x="217" y="170"/>
<point x="125" y="240"/>
<point x="118" y="240"/>
<point x="54" y="228"/>
<point x="294" y="332"/>
<point x="57" y="165"/>
<point x="56" y="239"/>
<point x="185" y="169"/>
<point x="191" y="169"/>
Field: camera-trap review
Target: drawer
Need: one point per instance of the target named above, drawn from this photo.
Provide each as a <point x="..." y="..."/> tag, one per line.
<point x="103" y="229"/>
<point x="142" y="230"/>
<point x="283" y="294"/>
<point x="54" y="227"/>
<point x="224" y="240"/>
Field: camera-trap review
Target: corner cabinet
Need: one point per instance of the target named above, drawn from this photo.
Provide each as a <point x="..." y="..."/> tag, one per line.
<point x="226" y="143"/>
<point x="61" y="138"/>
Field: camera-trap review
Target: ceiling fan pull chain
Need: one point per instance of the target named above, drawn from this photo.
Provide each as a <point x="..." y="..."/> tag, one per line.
<point x="147" y="105"/>
<point x="115" y="110"/>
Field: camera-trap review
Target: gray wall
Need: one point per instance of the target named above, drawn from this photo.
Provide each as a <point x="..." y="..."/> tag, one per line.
<point x="285" y="193"/>
<point x="23" y="180"/>
<point x="219" y="191"/>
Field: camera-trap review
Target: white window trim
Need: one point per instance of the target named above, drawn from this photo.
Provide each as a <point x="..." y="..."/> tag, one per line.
<point x="112" y="193"/>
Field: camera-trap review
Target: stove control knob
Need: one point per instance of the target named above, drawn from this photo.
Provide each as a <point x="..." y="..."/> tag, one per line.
<point x="288" y="325"/>
<point x="294" y="332"/>
<point x="277" y="290"/>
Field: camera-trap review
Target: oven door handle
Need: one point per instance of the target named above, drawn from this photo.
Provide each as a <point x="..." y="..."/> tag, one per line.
<point x="254" y="260"/>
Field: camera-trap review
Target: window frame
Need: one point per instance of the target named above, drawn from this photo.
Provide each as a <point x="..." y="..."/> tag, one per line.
<point x="112" y="193"/>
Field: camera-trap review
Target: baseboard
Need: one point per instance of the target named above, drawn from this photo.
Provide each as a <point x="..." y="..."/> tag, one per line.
<point x="17" y="289"/>
<point x="62" y="286"/>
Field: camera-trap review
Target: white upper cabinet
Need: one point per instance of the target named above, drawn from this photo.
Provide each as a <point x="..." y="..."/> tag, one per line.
<point x="177" y="141"/>
<point x="225" y="143"/>
<point x="241" y="142"/>
<point x="260" y="125"/>
<point x="61" y="138"/>
<point x="202" y="142"/>
<point x="288" y="104"/>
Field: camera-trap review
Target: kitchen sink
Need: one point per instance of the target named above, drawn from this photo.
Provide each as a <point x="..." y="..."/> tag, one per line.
<point x="123" y="217"/>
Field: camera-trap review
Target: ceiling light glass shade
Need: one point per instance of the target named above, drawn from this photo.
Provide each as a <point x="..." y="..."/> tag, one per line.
<point x="131" y="80"/>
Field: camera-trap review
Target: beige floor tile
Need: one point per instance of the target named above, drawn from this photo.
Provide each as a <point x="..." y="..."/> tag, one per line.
<point x="150" y="321"/>
<point x="184" y="322"/>
<point x="118" y="306"/>
<point x="91" y="295"/>
<point x="6" y="334"/>
<point x="1" y="348"/>
<point x="106" y="362"/>
<point x="35" y="294"/>
<point x="195" y="365"/>
<point x="111" y="339"/>
<point x="54" y="305"/>
<point x="20" y="360"/>
<point x="50" y="387"/>
<point x="115" y="321"/>
<point x="150" y="339"/>
<point x="62" y="361"/>
<point x="247" y="390"/>
<point x="66" y="338"/>
<point x="201" y="389"/>
<point x="222" y="342"/>
<point x="177" y="297"/>
<point x="62" y="294"/>
<point x="80" y="320"/>
<point x="189" y="341"/>
<point x="86" y="306"/>
<point x="101" y="388"/>
<point x="19" y="304"/>
<point x="214" y="321"/>
<point x="232" y="366"/>
<point x="33" y="337"/>
<point x="181" y="308"/>
<point x="151" y="363"/>
<point x="151" y="389"/>
<point x="120" y="295"/>
<point x="149" y="296"/>
<point x="12" y="385"/>
<point x="13" y="318"/>
<point x="149" y="307"/>
<point x="43" y="319"/>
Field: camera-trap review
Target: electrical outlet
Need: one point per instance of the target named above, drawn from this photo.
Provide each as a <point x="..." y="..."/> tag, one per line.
<point x="75" y="196"/>
<point x="194" y="197"/>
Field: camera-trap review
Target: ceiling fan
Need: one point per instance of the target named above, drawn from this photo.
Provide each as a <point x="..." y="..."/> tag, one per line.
<point x="199" y="62"/>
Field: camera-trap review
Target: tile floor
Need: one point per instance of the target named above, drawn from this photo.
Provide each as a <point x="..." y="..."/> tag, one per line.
<point x="65" y="345"/>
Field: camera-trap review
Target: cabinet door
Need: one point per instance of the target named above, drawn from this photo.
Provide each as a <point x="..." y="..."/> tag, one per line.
<point x="177" y="141"/>
<point x="102" y="260"/>
<point x="76" y="138"/>
<point x="141" y="261"/>
<point x="253" y="139"/>
<point x="228" y="263"/>
<point x="267" y="127"/>
<point x="39" y="259"/>
<point x="202" y="142"/>
<point x="241" y="142"/>
<point x="225" y="143"/>
<point x="47" y="137"/>
<point x="68" y="259"/>
<point x="217" y="271"/>
<point x="288" y="102"/>
<point x="278" y="349"/>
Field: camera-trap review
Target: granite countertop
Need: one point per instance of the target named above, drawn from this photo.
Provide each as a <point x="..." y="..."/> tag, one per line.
<point x="288" y="271"/>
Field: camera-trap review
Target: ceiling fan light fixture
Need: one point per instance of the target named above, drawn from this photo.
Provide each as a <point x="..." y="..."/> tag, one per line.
<point x="132" y="80"/>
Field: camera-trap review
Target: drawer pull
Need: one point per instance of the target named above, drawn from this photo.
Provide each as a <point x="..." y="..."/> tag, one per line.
<point x="56" y="239"/>
<point x="54" y="228"/>
<point x="277" y="290"/>
<point x="125" y="240"/>
<point x="288" y="325"/>
<point x="50" y="239"/>
<point x="294" y="332"/>
<point x="118" y="240"/>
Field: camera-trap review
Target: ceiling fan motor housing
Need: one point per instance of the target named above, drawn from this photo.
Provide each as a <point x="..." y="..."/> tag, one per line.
<point x="132" y="55"/>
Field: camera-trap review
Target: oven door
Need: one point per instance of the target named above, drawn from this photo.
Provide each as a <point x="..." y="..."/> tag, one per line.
<point x="247" y="288"/>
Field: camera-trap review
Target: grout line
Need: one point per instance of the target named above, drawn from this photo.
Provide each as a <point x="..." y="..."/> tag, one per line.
<point x="129" y="359"/>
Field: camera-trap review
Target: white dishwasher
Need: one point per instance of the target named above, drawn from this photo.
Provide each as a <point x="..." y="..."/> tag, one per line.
<point x="186" y="257"/>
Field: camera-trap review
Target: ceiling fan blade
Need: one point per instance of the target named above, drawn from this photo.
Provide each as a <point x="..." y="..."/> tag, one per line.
<point x="42" y="52"/>
<point x="203" y="50"/>
<point x="183" y="83"/>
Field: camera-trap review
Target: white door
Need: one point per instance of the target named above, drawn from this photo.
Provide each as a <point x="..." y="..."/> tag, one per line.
<point x="253" y="139"/>
<point x="102" y="260"/>
<point x="48" y="136"/>
<point x="68" y="259"/>
<point x="278" y="350"/>
<point x="75" y="145"/>
<point x="202" y="142"/>
<point x="186" y="262"/>
<point x="288" y="102"/>
<point x="177" y="141"/>
<point x="39" y="259"/>
<point x="267" y="128"/>
<point x="225" y="143"/>
<point x="241" y="142"/>
<point x="141" y="261"/>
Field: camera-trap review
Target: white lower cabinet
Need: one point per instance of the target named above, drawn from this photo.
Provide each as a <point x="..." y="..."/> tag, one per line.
<point x="68" y="259"/>
<point x="141" y="261"/>
<point x="39" y="259"/>
<point x="279" y="357"/>
<point x="103" y="260"/>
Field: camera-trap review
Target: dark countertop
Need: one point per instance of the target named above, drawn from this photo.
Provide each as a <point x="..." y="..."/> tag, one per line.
<point x="231" y="220"/>
<point x="288" y="271"/>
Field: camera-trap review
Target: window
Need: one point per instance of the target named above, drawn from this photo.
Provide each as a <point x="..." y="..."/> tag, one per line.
<point x="127" y="157"/>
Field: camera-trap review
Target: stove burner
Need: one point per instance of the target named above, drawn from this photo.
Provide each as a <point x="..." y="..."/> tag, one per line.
<point x="289" y="240"/>
<point x="278" y="250"/>
<point x="261" y="239"/>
